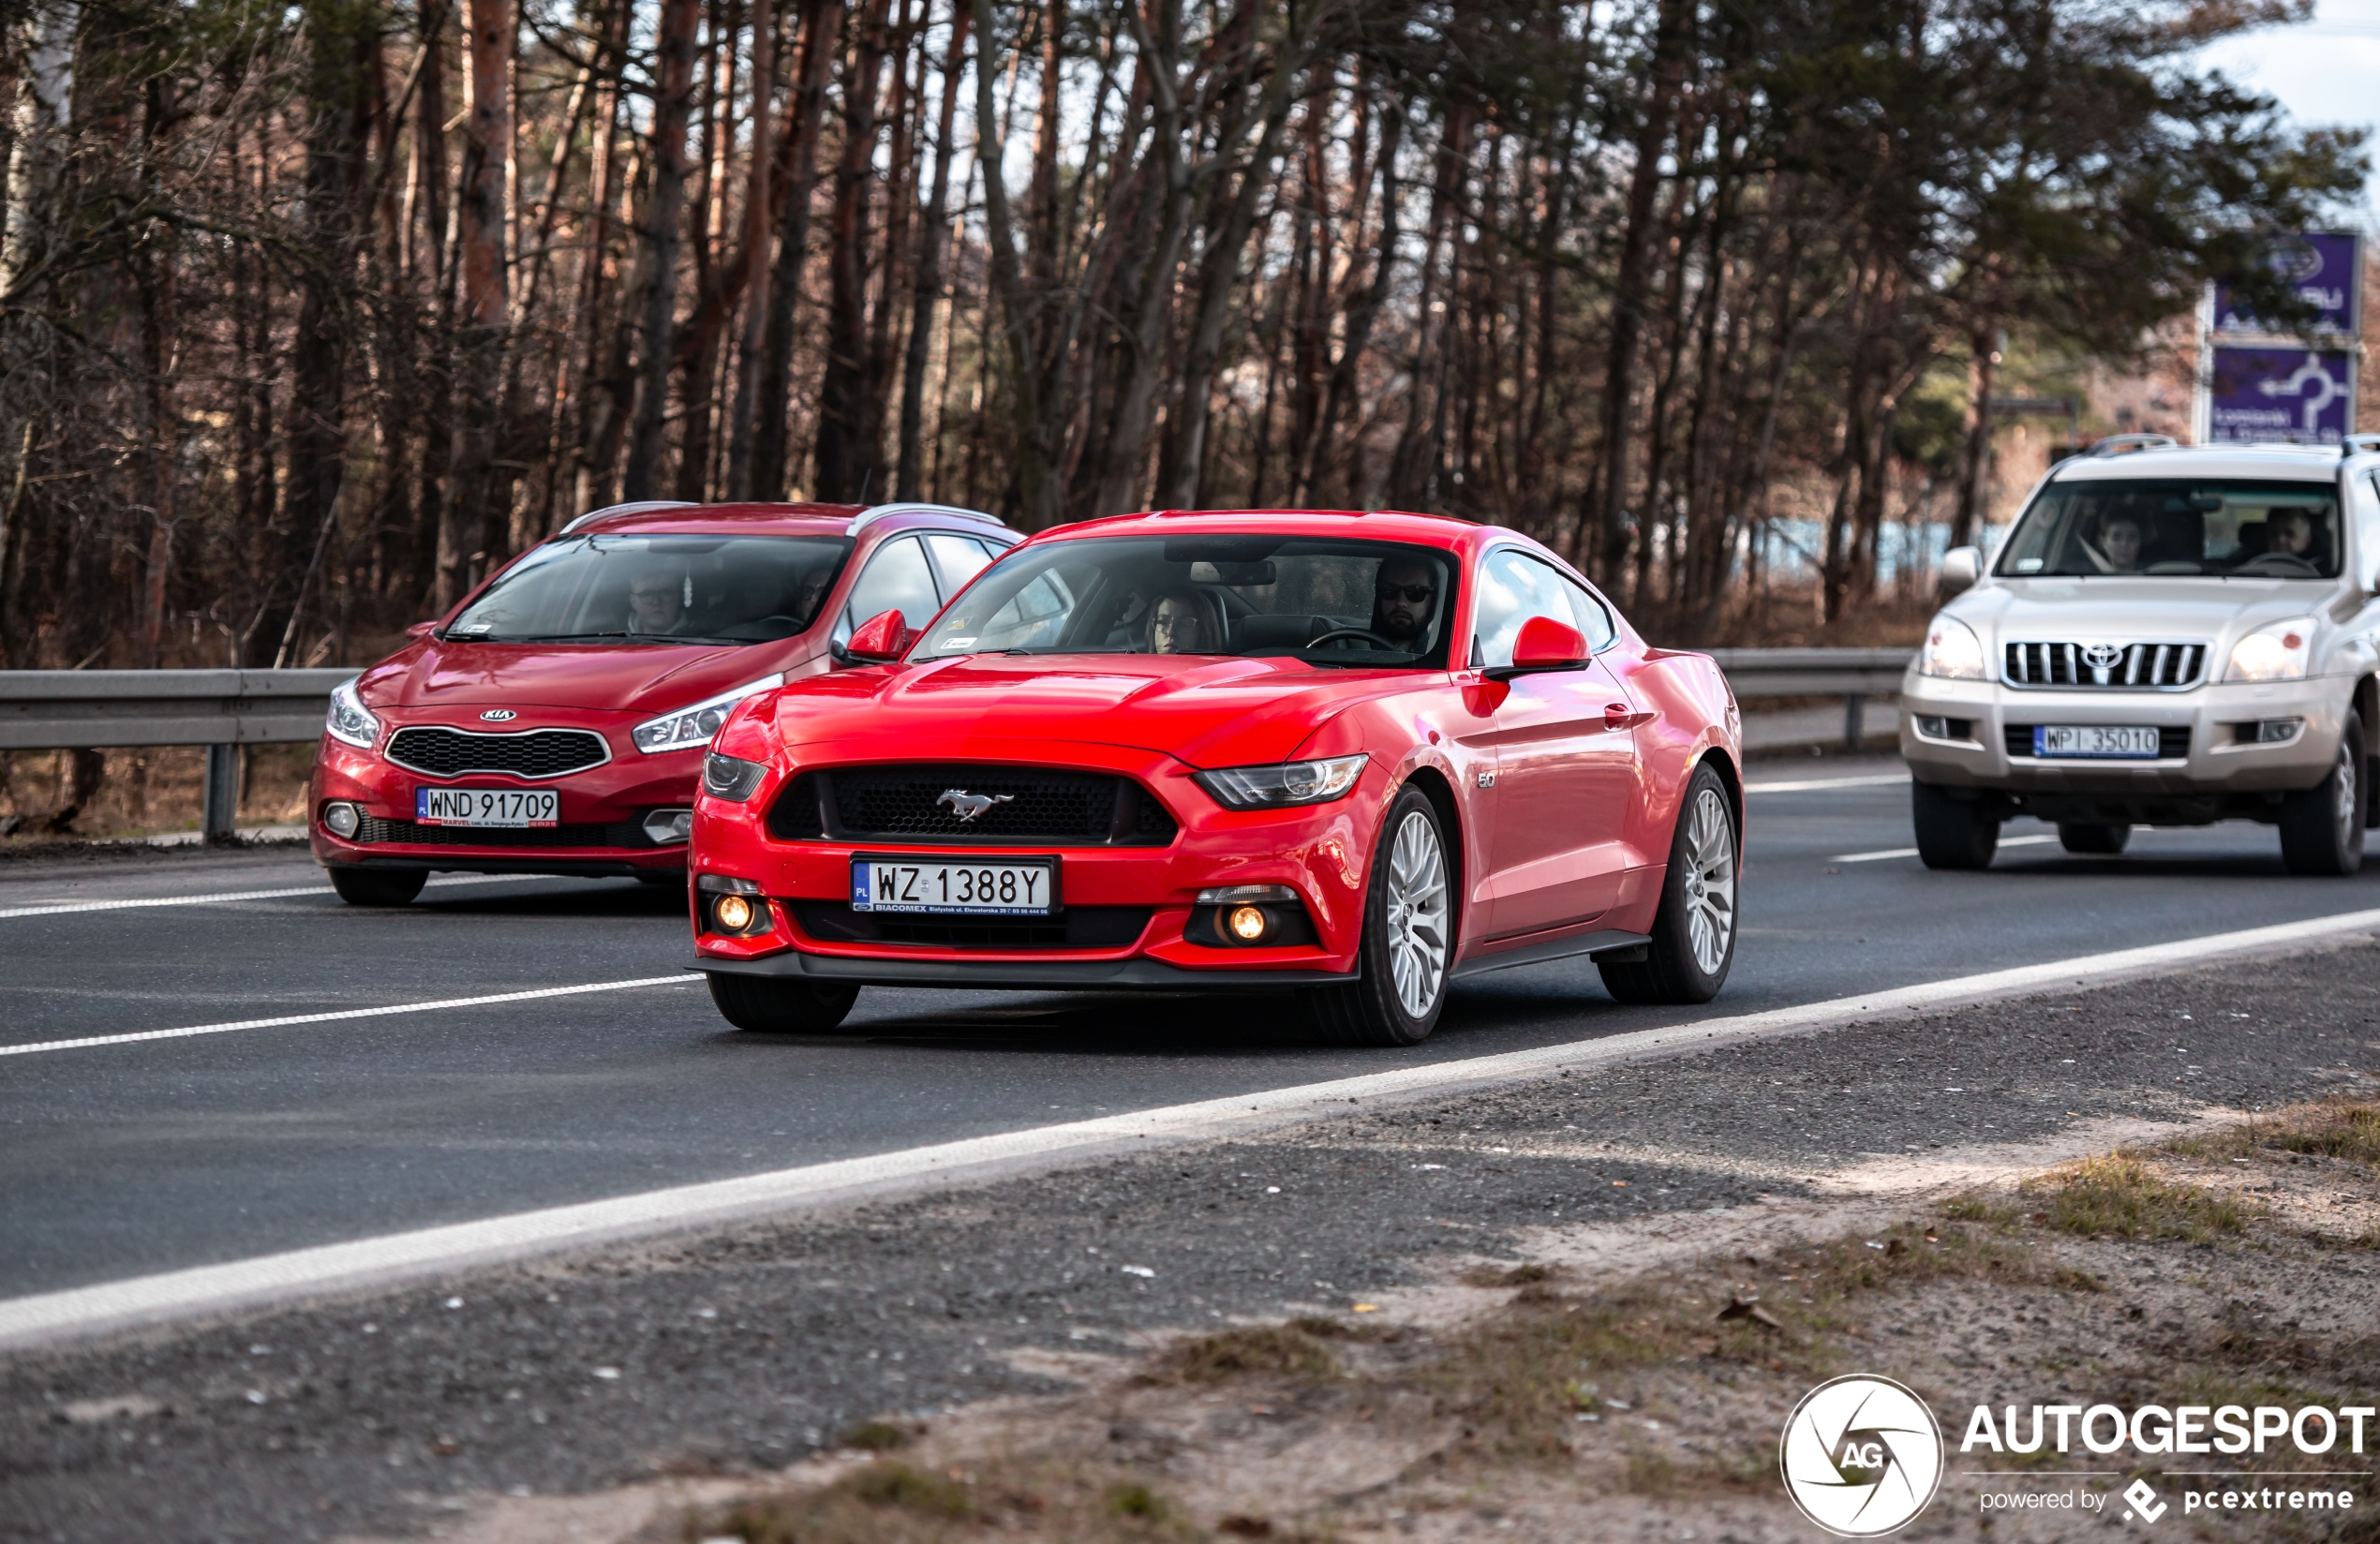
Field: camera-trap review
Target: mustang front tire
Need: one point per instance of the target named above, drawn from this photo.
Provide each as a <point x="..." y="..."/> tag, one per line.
<point x="766" y="1005"/>
<point x="1693" y="940"/>
<point x="1408" y="938"/>
<point x="378" y="886"/>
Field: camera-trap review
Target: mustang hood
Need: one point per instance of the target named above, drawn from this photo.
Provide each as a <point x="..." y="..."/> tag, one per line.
<point x="1207" y="712"/>
<point x="639" y="678"/>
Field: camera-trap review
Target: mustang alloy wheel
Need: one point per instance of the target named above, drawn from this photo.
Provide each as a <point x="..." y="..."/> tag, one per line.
<point x="1408" y="937"/>
<point x="1693" y="939"/>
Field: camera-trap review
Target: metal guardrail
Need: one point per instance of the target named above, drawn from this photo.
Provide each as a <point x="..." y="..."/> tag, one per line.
<point x="220" y="709"/>
<point x="225" y="709"/>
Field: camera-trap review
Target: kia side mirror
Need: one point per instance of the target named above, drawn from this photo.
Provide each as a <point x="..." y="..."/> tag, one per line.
<point x="420" y="629"/>
<point x="1544" y="644"/>
<point x="883" y="637"/>
<point x="1961" y="568"/>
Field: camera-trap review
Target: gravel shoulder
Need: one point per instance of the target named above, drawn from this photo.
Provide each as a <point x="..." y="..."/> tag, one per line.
<point x="617" y="1389"/>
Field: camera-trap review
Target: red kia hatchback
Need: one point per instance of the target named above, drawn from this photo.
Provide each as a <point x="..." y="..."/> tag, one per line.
<point x="1357" y="755"/>
<point x="554" y="722"/>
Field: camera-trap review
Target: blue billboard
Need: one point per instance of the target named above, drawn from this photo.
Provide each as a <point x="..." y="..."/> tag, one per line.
<point x="2297" y="397"/>
<point x="2322" y="268"/>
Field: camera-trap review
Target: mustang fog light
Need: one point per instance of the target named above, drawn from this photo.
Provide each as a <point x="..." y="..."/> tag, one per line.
<point x="735" y="914"/>
<point x="668" y="828"/>
<point x="342" y="819"/>
<point x="1247" y="923"/>
<point x="733" y="905"/>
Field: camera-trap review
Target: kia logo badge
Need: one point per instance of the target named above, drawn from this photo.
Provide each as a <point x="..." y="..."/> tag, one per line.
<point x="499" y="715"/>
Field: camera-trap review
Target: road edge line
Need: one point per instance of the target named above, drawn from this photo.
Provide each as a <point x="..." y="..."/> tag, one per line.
<point x="390" y="1260"/>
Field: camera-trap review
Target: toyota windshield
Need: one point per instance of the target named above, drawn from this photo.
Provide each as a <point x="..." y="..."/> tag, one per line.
<point x="2221" y="527"/>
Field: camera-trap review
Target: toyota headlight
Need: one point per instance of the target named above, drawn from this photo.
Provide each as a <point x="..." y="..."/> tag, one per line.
<point x="2277" y="652"/>
<point x="1953" y="651"/>
<point x="1284" y="783"/>
<point x="350" y="720"/>
<point x="691" y="728"/>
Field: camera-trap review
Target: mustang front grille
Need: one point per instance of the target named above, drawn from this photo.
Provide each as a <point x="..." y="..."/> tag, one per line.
<point x="444" y="752"/>
<point x="970" y="806"/>
<point x="2129" y="667"/>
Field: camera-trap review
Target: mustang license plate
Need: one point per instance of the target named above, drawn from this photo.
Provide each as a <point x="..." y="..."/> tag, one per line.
<point x="2131" y="740"/>
<point x="508" y="807"/>
<point x="959" y="889"/>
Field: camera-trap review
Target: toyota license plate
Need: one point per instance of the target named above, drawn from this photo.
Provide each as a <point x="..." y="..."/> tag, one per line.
<point x="2128" y="740"/>
<point x="936" y="887"/>
<point x="514" y="808"/>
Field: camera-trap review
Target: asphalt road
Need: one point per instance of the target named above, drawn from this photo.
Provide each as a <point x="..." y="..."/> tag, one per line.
<point x="129" y="1158"/>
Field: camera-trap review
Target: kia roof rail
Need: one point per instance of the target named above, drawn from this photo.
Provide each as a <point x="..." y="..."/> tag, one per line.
<point x="640" y="507"/>
<point x="880" y="511"/>
<point x="2120" y="444"/>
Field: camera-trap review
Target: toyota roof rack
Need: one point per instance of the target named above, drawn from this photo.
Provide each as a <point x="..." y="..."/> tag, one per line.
<point x="882" y="510"/>
<point x="2120" y="444"/>
<point x="638" y="508"/>
<point x="2358" y="444"/>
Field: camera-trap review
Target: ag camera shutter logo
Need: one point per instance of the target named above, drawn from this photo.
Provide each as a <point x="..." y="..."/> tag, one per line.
<point x="1861" y="1456"/>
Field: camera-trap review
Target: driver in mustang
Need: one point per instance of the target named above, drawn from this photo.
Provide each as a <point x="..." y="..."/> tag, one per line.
<point x="1401" y="602"/>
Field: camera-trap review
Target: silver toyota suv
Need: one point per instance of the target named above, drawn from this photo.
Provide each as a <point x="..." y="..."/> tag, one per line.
<point x="2169" y="636"/>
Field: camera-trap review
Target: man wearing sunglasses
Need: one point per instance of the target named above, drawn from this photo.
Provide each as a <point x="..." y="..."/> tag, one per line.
<point x="1403" y="602"/>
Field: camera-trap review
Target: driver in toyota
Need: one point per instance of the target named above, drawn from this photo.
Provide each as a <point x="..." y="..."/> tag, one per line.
<point x="1401" y="602"/>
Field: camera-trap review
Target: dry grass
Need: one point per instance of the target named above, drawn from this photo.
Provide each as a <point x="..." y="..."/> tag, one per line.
<point x="2333" y="1128"/>
<point x="2120" y="1196"/>
<point x="889" y="1502"/>
<point x="1285" y="1350"/>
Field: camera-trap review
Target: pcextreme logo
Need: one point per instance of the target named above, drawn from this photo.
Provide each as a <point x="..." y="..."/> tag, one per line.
<point x="1861" y="1455"/>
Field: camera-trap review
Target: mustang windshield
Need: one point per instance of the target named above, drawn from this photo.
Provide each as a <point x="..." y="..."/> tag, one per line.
<point x="1327" y="601"/>
<point x="2161" y="525"/>
<point x="658" y="590"/>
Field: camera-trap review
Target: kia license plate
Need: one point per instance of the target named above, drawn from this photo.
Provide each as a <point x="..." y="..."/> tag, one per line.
<point x="2132" y="741"/>
<point x="512" y="807"/>
<point x="939" y="888"/>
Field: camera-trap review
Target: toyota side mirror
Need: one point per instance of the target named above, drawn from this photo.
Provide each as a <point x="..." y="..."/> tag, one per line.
<point x="883" y="637"/>
<point x="1544" y="644"/>
<point x="1961" y="568"/>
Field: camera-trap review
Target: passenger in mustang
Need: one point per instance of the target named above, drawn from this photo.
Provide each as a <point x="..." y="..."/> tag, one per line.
<point x="1401" y="601"/>
<point x="1177" y="627"/>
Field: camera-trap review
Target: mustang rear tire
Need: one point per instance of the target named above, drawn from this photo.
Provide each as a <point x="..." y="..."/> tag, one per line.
<point x="2322" y="828"/>
<point x="766" y="1005"/>
<point x="1952" y="833"/>
<point x="1693" y="939"/>
<point x="1408" y="938"/>
<point x="2091" y="837"/>
<point x="378" y="886"/>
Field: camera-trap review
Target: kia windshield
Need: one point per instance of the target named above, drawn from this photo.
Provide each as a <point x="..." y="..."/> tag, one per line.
<point x="658" y="590"/>
<point x="1326" y="602"/>
<point x="2160" y="527"/>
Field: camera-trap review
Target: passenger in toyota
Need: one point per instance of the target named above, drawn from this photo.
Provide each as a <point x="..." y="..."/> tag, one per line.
<point x="2120" y="539"/>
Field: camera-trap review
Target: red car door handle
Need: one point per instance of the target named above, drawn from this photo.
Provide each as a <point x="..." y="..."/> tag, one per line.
<point x="1621" y="716"/>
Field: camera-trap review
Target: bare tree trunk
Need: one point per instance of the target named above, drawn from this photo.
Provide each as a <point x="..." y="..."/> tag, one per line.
<point x="1035" y="449"/>
<point x="822" y="34"/>
<point x="657" y="295"/>
<point x="1974" y="457"/>
<point x="757" y="224"/>
<point x="932" y="234"/>
<point x="847" y="452"/>
<point x="38" y="143"/>
<point x="1318" y="460"/>
<point x="602" y="393"/>
<point x="481" y="203"/>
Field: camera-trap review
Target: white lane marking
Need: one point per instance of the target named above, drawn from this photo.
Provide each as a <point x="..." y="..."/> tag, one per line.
<point x="432" y="1250"/>
<point x="530" y="995"/>
<point x="1911" y="851"/>
<point x="218" y="897"/>
<point x="1811" y="785"/>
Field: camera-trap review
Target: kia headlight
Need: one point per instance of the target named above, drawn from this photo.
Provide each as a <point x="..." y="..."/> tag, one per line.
<point x="691" y="727"/>
<point x="1953" y="651"/>
<point x="2277" y="652"/>
<point x="350" y="720"/>
<point x="1284" y="783"/>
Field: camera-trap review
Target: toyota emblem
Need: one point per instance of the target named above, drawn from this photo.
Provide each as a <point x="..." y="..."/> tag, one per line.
<point x="2103" y="655"/>
<point x="499" y="715"/>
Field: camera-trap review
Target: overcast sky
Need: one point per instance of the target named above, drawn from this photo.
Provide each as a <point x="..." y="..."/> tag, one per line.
<point x="2324" y="72"/>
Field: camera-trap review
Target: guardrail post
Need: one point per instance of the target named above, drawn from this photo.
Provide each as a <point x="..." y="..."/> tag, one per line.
<point x="1855" y="725"/>
<point x="219" y="820"/>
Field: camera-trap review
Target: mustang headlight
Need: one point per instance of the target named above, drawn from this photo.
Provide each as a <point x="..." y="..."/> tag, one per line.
<point x="731" y="777"/>
<point x="1284" y="783"/>
<point x="350" y="720"/>
<point x="2275" y="653"/>
<point x="689" y="727"/>
<point x="1953" y="650"/>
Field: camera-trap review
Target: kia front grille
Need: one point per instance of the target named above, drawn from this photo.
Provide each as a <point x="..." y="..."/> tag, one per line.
<point x="442" y="753"/>
<point x="2125" y="667"/>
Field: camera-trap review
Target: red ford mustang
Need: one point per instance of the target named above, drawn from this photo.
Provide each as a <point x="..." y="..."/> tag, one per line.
<point x="554" y="722"/>
<point x="1356" y="756"/>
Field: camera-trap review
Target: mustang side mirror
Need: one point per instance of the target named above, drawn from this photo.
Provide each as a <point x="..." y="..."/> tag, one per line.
<point x="881" y="637"/>
<point x="1545" y="644"/>
<point x="1961" y="568"/>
